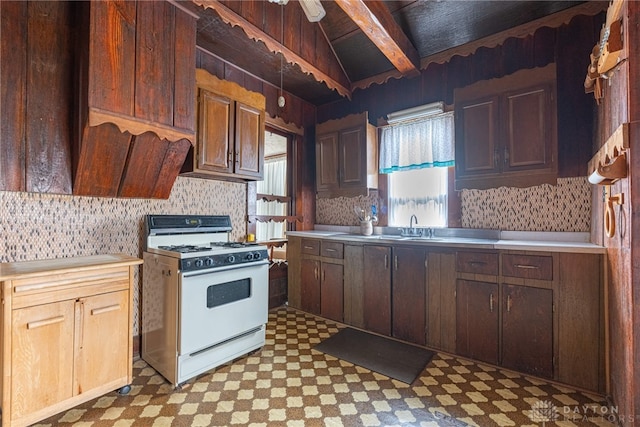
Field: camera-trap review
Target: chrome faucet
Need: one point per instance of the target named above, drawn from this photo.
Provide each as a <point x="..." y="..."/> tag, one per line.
<point x="411" y="222"/>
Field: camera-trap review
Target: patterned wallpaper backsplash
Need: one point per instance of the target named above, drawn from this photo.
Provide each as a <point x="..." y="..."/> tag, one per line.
<point x="562" y="207"/>
<point x="41" y="226"/>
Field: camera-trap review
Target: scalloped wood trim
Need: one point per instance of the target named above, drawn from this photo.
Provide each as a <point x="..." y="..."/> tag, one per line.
<point x="138" y="126"/>
<point x="617" y="144"/>
<point x="257" y="34"/>
<point x="272" y="198"/>
<point x="279" y="123"/>
<point x="553" y="21"/>
<point x="274" y="218"/>
<point x="233" y="90"/>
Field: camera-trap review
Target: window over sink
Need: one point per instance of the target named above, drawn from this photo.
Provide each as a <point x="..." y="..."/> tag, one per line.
<point x="417" y="154"/>
<point x="419" y="192"/>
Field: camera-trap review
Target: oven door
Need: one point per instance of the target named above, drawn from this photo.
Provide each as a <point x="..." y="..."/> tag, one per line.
<point x="218" y="305"/>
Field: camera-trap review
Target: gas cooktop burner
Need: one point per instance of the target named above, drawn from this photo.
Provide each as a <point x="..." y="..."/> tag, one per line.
<point x="233" y="244"/>
<point x="185" y="248"/>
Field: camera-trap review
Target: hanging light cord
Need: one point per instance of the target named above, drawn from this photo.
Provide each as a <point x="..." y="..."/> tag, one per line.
<point x="281" y="45"/>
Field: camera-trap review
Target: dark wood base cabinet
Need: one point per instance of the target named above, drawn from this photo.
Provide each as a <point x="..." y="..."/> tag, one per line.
<point x="539" y="313"/>
<point x="477" y="326"/>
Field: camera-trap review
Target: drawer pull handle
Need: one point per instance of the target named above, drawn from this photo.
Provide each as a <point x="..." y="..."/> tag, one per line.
<point x="45" y="322"/>
<point x="386" y="261"/>
<point x="106" y="309"/>
<point x="491" y="302"/>
<point x="330" y="250"/>
<point x="509" y="303"/>
<point x="309" y="247"/>
<point x="526" y="266"/>
<point x="477" y="263"/>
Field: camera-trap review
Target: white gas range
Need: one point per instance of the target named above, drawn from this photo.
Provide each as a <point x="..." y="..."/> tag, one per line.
<point x="204" y="298"/>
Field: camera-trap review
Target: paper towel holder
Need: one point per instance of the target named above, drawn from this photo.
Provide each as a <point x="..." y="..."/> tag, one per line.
<point x="608" y="173"/>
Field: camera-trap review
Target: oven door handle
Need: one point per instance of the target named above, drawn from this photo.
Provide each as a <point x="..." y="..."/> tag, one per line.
<point x="225" y="268"/>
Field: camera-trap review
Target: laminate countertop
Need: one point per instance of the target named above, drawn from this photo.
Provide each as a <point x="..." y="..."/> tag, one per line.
<point x="12" y="270"/>
<point x="470" y="239"/>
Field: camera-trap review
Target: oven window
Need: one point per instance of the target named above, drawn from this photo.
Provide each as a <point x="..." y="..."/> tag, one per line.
<point x="228" y="292"/>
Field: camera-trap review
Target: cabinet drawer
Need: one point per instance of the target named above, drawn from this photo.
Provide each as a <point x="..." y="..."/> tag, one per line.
<point x="310" y="247"/>
<point x="528" y="266"/>
<point x="477" y="263"/>
<point x="332" y="250"/>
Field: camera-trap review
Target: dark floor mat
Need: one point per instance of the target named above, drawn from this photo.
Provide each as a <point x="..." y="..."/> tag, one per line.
<point x="394" y="359"/>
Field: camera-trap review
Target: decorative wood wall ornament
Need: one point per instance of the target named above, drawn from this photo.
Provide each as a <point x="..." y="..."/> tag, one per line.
<point x="606" y="54"/>
<point x="616" y="145"/>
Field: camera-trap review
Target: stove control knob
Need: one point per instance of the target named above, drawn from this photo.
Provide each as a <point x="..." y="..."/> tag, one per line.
<point x="186" y="265"/>
<point x="231" y="259"/>
<point x="199" y="263"/>
<point x="249" y="256"/>
<point x="257" y="255"/>
<point x="208" y="262"/>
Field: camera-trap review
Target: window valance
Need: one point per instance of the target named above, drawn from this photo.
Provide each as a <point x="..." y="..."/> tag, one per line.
<point x="423" y="143"/>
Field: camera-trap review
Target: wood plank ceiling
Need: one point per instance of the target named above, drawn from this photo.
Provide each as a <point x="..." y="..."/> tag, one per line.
<point x="358" y="42"/>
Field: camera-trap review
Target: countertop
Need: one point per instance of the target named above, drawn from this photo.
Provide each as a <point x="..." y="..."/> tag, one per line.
<point x="12" y="270"/>
<point x="467" y="238"/>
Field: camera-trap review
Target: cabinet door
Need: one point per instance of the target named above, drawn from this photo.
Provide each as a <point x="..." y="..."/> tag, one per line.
<point x="477" y="133"/>
<point x="408" y="294"/>
<point x="41" y="357"/>
<point x="527" y="330"/>
<point x="249" y="141"/>
<point x="214" y="152"/>
<point x="332" y="291"/>
<point x="441" y="301"/>
<point x="377" y="289"/>
<point x="102" y="350"/>
<point x="477" y="320"/>
<point x="310" y="285"/>
<point x="352" y="158"/>
<point x="529" y="130"/>
<point x="327" y="161"/>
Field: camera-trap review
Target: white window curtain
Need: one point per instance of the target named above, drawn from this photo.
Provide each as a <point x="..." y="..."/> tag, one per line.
<point x="274" y="183"/>
<point x="423" y="143"/>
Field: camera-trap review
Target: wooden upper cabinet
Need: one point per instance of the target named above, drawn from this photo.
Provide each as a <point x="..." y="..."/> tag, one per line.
<point x="214" y="141"/>
<point x="230" y="131"/>
<point x="506" y="131"/>
<point x="327" y="162"/>
<point x="136" y="90"/>
<point x="346" y="157"/>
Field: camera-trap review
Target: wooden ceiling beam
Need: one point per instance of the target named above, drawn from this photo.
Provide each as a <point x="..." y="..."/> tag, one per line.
<point x="377" y="23"/>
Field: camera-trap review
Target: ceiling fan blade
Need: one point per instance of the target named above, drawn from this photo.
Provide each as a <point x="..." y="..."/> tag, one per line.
<point x="313" y="9"/>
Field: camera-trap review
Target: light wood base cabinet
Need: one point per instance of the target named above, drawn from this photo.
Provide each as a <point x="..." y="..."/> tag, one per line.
<point x="66" y="333"/>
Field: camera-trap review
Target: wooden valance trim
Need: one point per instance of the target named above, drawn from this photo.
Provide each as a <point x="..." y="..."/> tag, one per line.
<point x="255" y="33"/>
<point x="272" y="198"/>
<point x="136" y="126"/>
<point x="274" y="218"/>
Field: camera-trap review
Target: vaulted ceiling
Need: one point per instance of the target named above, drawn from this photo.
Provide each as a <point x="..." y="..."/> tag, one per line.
<point x="359" y="43"/>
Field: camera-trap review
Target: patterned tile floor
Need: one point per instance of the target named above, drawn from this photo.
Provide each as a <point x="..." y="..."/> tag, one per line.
<point x="287" y="383"/>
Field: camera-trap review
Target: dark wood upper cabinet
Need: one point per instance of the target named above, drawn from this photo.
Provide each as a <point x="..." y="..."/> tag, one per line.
<point x="136" y="97"/>
<point x="230" y="131"/>
<point x="346" y="157"/>
<point x="506" y="132"/>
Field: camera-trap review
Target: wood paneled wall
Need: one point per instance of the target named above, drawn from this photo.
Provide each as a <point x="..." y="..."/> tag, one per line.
<point x="621" y="104"/>
<point x="569" y="46"/>
<point x="36" y="81"/>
